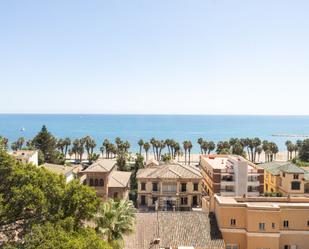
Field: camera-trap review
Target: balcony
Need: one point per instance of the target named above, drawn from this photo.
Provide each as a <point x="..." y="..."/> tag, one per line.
<point x="169" y="192"/>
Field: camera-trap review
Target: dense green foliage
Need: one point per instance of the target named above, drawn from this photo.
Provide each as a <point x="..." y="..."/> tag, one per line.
<point x="32" y="197"/>
<point x="45" y="212"/>
<point x="3" y="143"/>
<point x="61" y="235"/>
<point x="46" y="143"/>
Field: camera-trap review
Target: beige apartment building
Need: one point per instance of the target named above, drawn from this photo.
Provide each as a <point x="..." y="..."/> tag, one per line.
<point x="103" y="176"/>
<point x="172" y="185"/>
<point x="230" y="175"/>
<point x="263" y="222"/>
<point x="285" y="178"/>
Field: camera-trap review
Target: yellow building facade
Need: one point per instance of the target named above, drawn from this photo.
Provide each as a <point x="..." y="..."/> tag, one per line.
<point x="285" y="178"/>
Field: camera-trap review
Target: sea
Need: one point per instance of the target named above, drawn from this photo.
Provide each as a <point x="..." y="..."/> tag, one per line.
<point x="178" y="127"/>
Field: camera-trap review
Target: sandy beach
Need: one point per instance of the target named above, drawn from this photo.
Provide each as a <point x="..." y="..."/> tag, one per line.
<point x="281" y="156"/>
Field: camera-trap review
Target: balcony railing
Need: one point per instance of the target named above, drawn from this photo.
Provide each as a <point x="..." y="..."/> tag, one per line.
<point x="169" y="191"/>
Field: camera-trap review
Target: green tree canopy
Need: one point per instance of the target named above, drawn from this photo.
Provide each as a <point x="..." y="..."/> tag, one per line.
<point x="32" y="195"/>
<point x="303" y="153"/>
<point x="47" y="144"/>
<point x="61" y="235"/>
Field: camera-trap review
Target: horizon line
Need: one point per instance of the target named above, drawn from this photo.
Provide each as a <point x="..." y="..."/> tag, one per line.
<point x="148" y="114"/>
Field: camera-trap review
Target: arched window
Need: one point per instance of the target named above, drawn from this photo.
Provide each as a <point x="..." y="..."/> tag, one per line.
<point x="96" y="182"/>
<point x="101" y="182"/>
<point x="91" y="182"/>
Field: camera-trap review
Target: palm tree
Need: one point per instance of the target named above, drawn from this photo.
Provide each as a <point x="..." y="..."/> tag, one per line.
<point x="115" y="219"/>
<point x="60" y="145"/>
<point x="274" y="150"/>
<point x="177" y="150"/>
<point x="266" y="149"/>
<point x="204" y="147"/>
<point x="299" y="144"/>
<point x="200" y="142"/>
<point x="187" y="146"/>
<point x="211" y="146"/>
<point x="288" y="145"/>
<point x="161" y="146"/>
<point x="105" y="145"/>
<point x="70" y="152"/>
<point x="140" y="143"/>
<point x="102" y="150"/>
<point x="153" y="142"/>
<point x="223" y="147"/>
<point x="118" y="141"/>
<point x="259" y="151"/>
<point x="75" y="147"/>
<point x="189" y="150"/>
<point x="146" y="148"/>
<point x="256" y="143"/>
<point x="67" y="144"/>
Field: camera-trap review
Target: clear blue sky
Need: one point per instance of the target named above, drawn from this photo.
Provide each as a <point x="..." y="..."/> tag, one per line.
<point x="162" y="56"/>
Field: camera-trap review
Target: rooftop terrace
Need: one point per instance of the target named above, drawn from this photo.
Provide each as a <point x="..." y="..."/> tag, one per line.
<point x="264" y="202"/>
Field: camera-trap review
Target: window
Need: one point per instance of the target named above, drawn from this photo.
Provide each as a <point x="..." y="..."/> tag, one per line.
<point x="308" y="223"/>
<point x="91" y="182"/>
<point x="195" y="187"/>
<point x="184" y="201"/>
<point x="249" y="188"/>
<point x="261" y="226"/>
<point x="154" y="199"/>
<point x="295" y="176"/>
<point x="295" y="185"/>
<point x="115" y="195"/>
<point x="169" y="187"/>
<point x="273" y="225"/>
<point x="183" y="187"/>
<point x="286" y="247"/>
<point x="143" y="186"/>
<point x="96" y="182"/>
<point x="101" y="183"/>
<point x="286" y="223"/>
<point x="233" y="222"/>
<point x="154" y="186"/>
<point x="283" y="174"/>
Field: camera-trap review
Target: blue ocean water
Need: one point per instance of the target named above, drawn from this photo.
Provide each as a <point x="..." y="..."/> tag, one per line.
<point x="134" y="127"/>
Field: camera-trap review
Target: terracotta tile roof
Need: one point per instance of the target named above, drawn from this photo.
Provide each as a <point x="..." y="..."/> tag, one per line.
<point x="276" y="167"/>
<point x="58" y="169"/>
<point x="119" y="179"/>
<point x="195" y="229"/>
<point x="152" y="161"/>
<point x="170" y="170"/>
<point x="101" y="165"/>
